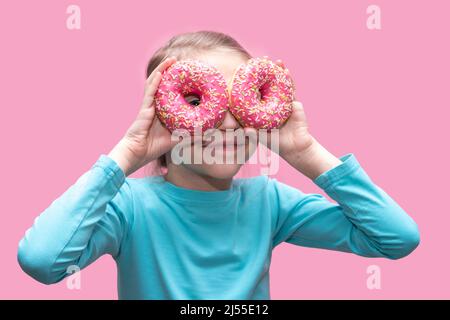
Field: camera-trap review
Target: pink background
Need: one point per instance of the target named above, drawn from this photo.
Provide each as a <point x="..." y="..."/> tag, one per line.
<point x="68" y="96"/>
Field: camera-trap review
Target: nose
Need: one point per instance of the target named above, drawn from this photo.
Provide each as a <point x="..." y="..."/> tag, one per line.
<point x="229" y="122"/>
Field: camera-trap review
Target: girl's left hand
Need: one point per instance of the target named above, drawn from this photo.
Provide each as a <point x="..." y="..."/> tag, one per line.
<point x="294" y="136"/>
<point x="298" y="147"/>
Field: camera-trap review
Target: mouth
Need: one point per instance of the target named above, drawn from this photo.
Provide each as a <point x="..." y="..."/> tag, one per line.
<point x="228" y="145"/>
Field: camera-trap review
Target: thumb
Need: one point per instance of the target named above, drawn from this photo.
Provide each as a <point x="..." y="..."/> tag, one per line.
<point x="298" y="113"/>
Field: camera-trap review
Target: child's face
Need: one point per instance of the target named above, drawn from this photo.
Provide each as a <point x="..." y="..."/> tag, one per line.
<point x="226" y="62"/>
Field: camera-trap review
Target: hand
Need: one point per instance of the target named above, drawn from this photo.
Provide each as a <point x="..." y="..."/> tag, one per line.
<point x="147" y="138"/>
<point x="293" y="134"/>
<point x="298" y="147"/>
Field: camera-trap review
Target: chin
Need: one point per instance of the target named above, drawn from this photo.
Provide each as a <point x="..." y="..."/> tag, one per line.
<point x="217" y="171"/>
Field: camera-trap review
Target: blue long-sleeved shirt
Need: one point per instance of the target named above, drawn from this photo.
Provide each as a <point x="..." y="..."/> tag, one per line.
<point x="175" y="243"/>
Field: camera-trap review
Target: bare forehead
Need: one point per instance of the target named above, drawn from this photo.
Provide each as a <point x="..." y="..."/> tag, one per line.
<point x="226" y="61"/>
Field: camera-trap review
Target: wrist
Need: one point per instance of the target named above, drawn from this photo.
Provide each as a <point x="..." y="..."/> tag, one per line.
<point x="313" y="160"/>
<point x="118" y="154"/>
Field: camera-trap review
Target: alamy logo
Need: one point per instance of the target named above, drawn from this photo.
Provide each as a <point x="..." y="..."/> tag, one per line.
<point x="374" y="19"/>
<point x="230" y="146"/>
<point x="73" y="282"/>
<point x="73" y="21"/>
<point x="374" y="279"/>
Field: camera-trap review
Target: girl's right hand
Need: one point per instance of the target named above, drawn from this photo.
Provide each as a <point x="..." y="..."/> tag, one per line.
<point x="147" y="138"/>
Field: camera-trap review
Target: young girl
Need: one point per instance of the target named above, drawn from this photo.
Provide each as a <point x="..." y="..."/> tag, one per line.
<point x="195" y="232"/>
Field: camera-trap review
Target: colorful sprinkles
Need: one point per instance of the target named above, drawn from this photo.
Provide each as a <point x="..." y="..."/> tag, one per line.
<point x="188" y="77"/>
<point x="261" y="94"/>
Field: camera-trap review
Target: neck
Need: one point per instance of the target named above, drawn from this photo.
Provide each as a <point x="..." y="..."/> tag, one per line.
<point x="184" y="177"/>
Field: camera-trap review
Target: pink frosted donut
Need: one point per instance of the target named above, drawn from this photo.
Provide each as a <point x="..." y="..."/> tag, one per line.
<point x="261" y="94"/>
<point x="186" y="78"/>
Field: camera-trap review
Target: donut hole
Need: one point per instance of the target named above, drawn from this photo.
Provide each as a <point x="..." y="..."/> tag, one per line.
<point x="193" y="99"/>
<point x="258" y="94"/>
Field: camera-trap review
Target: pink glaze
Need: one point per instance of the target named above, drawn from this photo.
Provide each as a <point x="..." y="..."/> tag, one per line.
<point x="185" y="78"/>
<point x="261" y="94"/>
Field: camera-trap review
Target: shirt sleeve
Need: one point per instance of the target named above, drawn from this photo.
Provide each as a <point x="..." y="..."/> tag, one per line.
<point x="364" y="220"/>
<point x="88" y="220"/>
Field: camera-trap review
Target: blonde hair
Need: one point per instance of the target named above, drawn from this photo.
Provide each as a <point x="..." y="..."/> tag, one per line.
<point x="189" y="44"/>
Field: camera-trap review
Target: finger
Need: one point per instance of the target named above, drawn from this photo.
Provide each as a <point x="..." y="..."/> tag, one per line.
<point x="149" y="95"/>
<point x="146" y="114"/>
<point x="297" y="106"/>
<point x="151" y="89"/>
<point x="144" y="120"/>
<point x="150" y="82"/>
<point x="281" y="63"/>
<point x="160" y="68"/>
<point x="165" y="64"/>
<point x="298" y="113"/>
